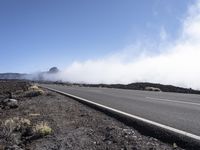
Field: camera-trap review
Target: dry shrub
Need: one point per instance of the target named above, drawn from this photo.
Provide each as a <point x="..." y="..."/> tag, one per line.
<point x="34" y="91"/>
<point x="42" y="129"/>
<point x="34" y="87"/>
<point x="16" y="123"/>
<point x="17" y="131"/>
<point x="11" y="126"/>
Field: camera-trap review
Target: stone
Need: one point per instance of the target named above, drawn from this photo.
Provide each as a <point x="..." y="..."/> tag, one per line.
<point x="13" y="103"/>
<point x="10" y="103"/>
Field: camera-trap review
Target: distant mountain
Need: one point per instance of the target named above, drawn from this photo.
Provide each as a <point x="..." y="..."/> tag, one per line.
<point x="40" y="76"/>
<point x="12" y="76"/>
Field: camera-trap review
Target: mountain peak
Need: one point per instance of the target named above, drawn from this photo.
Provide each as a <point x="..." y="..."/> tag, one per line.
<point x="53" y="70"/>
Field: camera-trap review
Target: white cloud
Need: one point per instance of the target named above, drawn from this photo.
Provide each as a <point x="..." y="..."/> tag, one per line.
<point x="192" y="23"/>
<point x="178" y="64"/>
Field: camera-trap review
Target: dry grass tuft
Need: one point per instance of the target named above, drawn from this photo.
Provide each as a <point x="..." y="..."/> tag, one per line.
<point x="42" y="129"/>
<point x="34" y="87"/>
<point x="33" y="91"/>
<point x="10" y="126"/>
<point x="16" y="123"/>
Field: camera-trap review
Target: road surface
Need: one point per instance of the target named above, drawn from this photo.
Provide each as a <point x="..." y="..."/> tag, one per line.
<point x="180" y="111"/>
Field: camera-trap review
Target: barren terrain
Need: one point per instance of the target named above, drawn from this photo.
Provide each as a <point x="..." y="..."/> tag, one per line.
<point x="72" y="125"/>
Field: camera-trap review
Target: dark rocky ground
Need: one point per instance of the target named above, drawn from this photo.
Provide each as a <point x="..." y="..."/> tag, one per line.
<point x="144" y="85"/>
<point x="74" y="125"/>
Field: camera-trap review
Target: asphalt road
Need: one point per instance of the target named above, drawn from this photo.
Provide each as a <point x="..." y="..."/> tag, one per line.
<point x="180" y="111"/>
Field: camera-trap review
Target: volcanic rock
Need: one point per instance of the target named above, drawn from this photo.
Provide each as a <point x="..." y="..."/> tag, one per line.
<point x="9" y="103"/>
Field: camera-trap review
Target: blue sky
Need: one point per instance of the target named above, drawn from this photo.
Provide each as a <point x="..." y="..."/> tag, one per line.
<point x="36" y="35"/>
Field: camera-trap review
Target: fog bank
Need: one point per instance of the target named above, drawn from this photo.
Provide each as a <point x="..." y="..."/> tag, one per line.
<point x="177" y="64"/>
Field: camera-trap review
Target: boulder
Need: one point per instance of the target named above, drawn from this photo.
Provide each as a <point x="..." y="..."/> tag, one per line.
<point x="9" y="103"/>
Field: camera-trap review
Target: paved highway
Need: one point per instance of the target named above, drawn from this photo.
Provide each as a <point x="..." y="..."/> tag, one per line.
<point x="180" y="111"/>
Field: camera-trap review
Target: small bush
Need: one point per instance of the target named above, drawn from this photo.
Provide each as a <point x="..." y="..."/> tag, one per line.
<point x="18" y="130"/>
<point x="34" y="91"/>
<point x="14" y="126"/>
<point x="34" y="87"/>
<point x="16" y="123"/>
<point x="42" y="129"/>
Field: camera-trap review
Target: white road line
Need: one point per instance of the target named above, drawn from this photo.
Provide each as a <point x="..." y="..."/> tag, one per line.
<point x="175" y="101"/>
<point x="180" y="132"/>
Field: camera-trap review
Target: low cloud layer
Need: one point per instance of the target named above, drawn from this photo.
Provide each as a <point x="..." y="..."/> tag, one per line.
<point x="177" y="64"/>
